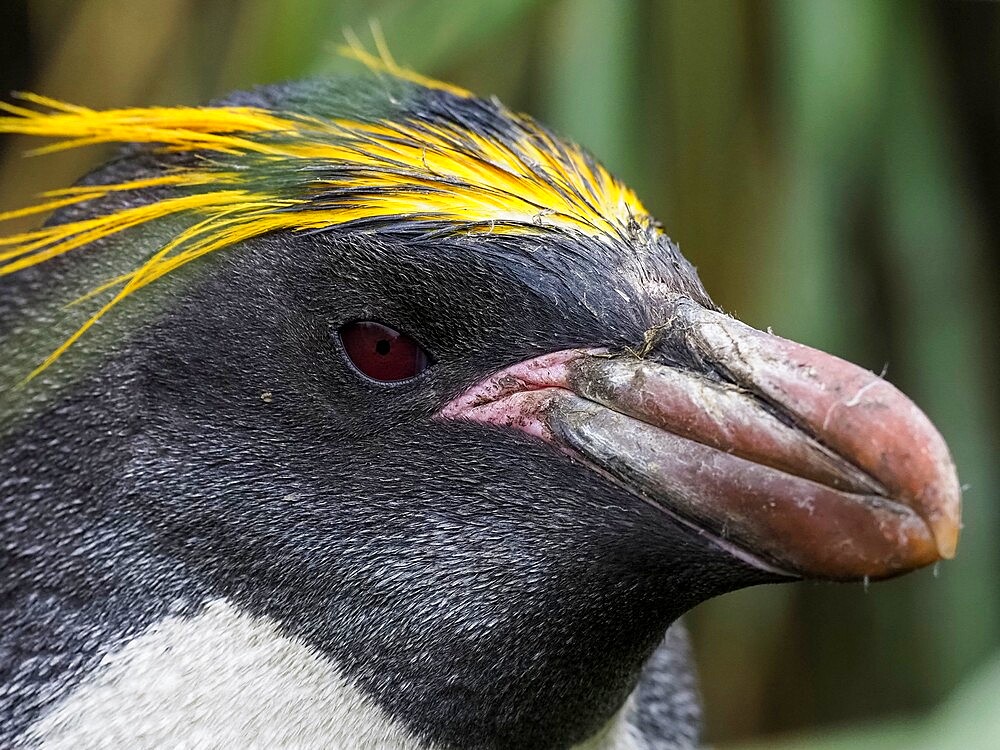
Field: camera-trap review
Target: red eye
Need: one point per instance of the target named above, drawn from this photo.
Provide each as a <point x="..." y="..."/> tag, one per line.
<point x="382" y="353"/>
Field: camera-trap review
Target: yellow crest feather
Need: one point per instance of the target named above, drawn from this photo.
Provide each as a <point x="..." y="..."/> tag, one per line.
<point x="255" y="171"/>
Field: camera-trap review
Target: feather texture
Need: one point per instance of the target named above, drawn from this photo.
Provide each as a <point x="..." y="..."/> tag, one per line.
<point x="444" y="163"/>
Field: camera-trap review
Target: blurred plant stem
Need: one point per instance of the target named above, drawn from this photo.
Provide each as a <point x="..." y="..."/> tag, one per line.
<point x="969" y="720"/>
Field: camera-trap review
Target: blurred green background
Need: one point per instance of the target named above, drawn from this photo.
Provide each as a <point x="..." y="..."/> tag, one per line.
<point x="833" y="169"/>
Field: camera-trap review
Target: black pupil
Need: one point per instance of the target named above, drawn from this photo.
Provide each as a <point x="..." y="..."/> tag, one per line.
<point x="382" y="346"/>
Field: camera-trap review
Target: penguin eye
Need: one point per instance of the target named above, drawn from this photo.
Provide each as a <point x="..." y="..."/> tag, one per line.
<point x="382" y="353"/>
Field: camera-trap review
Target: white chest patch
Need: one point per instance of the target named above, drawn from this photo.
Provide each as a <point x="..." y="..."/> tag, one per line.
<point x="223" y="679"/>
<point x="220" y="679"/>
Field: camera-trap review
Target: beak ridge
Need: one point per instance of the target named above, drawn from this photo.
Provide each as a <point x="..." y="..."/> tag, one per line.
<point x="853" y="411"/>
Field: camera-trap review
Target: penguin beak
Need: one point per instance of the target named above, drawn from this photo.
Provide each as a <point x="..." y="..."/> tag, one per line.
<point x="788" y="457"/>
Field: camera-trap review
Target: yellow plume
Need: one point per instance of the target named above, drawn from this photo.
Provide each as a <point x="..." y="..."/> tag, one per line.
<point x="241" y="172"/>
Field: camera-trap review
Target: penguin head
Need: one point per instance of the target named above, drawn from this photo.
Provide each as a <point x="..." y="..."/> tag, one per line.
<point x="428" y="387"/>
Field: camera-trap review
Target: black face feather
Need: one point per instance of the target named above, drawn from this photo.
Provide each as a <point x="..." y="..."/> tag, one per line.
<point x="442" y="557"/>
<point x="439" y="556"/>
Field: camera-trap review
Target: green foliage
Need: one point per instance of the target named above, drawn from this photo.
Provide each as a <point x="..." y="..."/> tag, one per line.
<point x="969" y="720"/>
